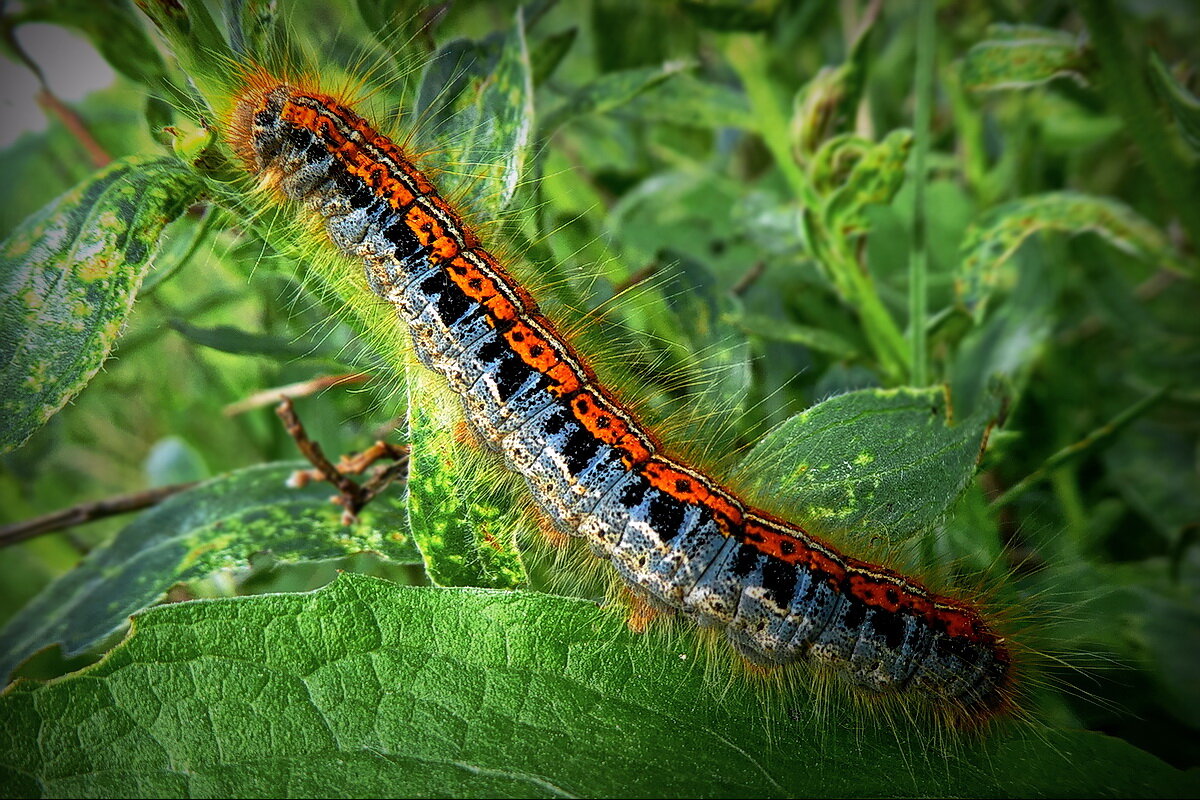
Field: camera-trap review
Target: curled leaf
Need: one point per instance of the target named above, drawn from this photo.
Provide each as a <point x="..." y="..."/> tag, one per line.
<point x="1020" y="56"/>
<point x="369" y="689"/>
<point x="991" y="241"/>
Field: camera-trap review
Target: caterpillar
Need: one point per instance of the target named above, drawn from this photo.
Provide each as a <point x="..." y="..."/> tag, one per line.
<point x="674" y="535"/>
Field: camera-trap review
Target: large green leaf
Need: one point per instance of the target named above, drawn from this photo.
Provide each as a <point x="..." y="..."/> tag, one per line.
<point x="875" y="464"/>
<point x="992" y="240"/>
<point x="216" y="525"/>
<point x="68" y="276"/>
<point x="365" y="688"/>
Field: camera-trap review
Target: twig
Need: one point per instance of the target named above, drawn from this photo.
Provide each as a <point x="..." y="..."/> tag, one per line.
<point x="637" y="277"/>
<point x="383" y="477"/>
<point x="356" y="463"/>
<point x="300" y="389"/>
<point x="52" y="105"/>
<point x="749" y="279"/>
<point x="351" y="496"/>
<point x="86" y="512"/>
<point x="74" y="123"/>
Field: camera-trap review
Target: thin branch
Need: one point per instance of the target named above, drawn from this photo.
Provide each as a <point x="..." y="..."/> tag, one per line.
<point x="312" y="450"/>
<point x="55" y="107"/>
<point x="86" y="512"/>
<point x="301" y="389"/>
<point x="748" y="279"/>
<point x="351" y="496"/>
<point x="637" y="277"/>
<point x="75" y="125"/>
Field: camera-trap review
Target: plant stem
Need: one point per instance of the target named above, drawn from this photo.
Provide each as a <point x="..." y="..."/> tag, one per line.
<point x="880" y="328"/>
<point x="1074" y="451"/>
<point x="919" y="258"/>
<point x="746" y="53"/>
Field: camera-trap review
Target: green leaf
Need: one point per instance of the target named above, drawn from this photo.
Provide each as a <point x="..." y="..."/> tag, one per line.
<point x="1153" y="466"/>
<point x="68" y="276"/>
<point x="1019" y="56"/>
<point x="365" y="688"/>
<point x="545" y="57"/>
<point x="461" y="517"/>
<point x="611" y="91"/>
<point x="776" y="330"/>
<point x="720" y="369"/>
<point x="1096" y="439"/>
<point x="687" y="100"/>
<point x="253" y="25"/>
<point x="1010" y="341"/>
<point x="229" y="339"/>
<point x="195" y="40"/>
<point x="501" y="125"/>
<point x="1167" y="632"/>
<point x="874" y="464"/>
<point x="1184" y="105"/>
<point x="216" y="525"/>
<point x="479" y="98"/>
<point x="991" y="241"/>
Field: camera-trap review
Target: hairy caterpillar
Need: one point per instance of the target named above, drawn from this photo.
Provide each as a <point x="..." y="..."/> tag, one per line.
<point x="673" y="534"/>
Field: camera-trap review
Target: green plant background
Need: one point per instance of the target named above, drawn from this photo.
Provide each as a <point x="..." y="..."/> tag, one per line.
<point x="743" y="207"/>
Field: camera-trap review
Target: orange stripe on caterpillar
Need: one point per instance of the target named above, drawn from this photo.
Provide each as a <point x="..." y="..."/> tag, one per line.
<point x="671" y="532"/>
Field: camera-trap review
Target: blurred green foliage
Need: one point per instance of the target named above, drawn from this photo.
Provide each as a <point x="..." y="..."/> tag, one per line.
<point x="724" y="192"/>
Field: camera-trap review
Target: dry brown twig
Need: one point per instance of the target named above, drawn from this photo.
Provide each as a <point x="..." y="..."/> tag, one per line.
<point x="87" y="512"/>
<point x="351" y="496"/>
<point x="300" y="389"/>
